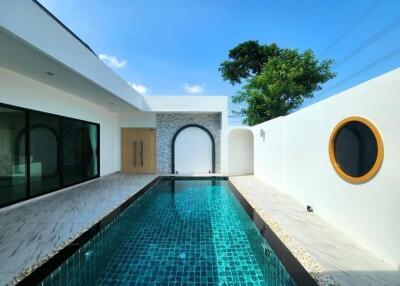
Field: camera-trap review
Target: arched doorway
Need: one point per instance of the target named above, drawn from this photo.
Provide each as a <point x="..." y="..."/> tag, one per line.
<point x="241" y="152"/>
<point x="193" y="150"/>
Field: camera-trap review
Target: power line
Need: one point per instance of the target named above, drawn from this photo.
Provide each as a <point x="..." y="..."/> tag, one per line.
<point x="372" y="39"/>
<point x="364" y="69"/>
<point x="352" y="27"/>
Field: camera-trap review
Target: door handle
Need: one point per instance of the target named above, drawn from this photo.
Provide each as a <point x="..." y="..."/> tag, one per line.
<point x="134" y="153"/>
<point x="141" y="153"/>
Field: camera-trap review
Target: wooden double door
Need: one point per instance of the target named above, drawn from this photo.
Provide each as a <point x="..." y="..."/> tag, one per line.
<point x="138" y="150"/>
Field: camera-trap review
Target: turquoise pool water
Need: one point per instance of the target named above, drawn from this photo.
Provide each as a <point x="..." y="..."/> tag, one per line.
<point x="180" y="232"/>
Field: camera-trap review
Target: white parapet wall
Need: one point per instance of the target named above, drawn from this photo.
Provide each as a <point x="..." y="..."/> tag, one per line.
<point x="291" y="153"/>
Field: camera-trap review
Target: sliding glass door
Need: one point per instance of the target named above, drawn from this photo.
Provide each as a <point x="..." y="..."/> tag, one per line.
<point x="59" y="151"/>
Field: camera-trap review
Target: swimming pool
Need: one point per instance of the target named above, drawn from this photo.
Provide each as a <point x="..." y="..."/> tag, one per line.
<point x="178" y="232"/>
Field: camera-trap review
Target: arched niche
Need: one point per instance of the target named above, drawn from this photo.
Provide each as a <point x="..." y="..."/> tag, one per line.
<point x="193" y="150"/>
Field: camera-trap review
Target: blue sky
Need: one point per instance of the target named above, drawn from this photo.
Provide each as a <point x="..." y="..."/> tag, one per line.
<point x="175" y="47"/>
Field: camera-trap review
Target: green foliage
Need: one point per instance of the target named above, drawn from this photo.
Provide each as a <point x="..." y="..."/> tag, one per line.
<point x="278" y="80"/>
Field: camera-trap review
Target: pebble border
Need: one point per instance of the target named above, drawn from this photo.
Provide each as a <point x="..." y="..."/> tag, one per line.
<point x="306" y="260"/>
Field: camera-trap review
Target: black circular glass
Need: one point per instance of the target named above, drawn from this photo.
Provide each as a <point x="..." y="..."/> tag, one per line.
<point x="355" y="149"/>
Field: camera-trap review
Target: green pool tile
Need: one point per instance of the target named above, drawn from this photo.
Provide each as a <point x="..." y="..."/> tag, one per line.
<point x="181" y="232"/>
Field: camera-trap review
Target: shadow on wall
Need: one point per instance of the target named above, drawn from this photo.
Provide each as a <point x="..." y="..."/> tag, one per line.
<point x="240" y="152"/>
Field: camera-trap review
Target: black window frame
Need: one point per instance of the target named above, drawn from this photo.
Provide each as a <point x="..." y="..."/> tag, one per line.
<point x="28" y="111"/>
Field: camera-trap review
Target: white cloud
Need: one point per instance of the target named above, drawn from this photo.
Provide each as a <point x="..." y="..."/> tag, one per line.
<point x="193" y="88"/>
<point x="138" y="87"/>
<point x="113" y="61"/>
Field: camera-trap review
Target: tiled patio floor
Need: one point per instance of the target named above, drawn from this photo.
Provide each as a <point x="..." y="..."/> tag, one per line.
<point x="33" y="230"/>
<point x="342" y="258"/>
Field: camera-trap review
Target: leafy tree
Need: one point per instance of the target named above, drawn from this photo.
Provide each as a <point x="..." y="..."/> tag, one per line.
<point x="278" y="80"/>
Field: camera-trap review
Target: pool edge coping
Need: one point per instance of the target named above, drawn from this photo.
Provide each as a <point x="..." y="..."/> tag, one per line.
<point x="292" y="265"/>
<point x="309" y="263"/>
<point x="38" y="271"/>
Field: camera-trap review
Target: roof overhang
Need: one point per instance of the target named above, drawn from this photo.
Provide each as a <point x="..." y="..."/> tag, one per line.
<point x="34" y="44"/>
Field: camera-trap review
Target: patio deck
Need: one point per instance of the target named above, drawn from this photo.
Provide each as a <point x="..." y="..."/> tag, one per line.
<point x="317" y="245"/>
<point x="33" y="231"/>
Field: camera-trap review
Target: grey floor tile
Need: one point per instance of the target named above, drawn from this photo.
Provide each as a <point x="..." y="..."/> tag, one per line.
<point x="343" y="258"/>
<point x="33" y="230"/>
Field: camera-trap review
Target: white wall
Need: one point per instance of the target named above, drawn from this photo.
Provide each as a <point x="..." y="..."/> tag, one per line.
<point x="240" y="151"/>
<point x="294" y="158"/>
<point x="21" y="91"/>
<point x="137" y="119"/>
<point x="268" y="151"/>
<point x="193" y="152"/>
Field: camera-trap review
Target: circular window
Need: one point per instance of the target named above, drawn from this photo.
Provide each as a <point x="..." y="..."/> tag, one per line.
<point x="356" y="149"/>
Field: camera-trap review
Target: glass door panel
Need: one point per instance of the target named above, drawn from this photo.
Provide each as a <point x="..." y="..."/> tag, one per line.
<point x="72" y="151"/>
<point x="44" y="152"/>
<point x="90" y="150"/>
<point x="12" y="155"/>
